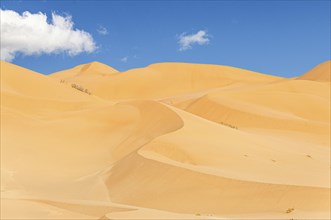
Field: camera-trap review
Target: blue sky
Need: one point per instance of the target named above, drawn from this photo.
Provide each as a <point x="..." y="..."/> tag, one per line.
<point x="284" y="38"/>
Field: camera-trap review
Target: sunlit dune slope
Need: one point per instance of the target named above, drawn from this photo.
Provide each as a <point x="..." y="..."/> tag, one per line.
<point x="166" y="79"/>
<point x="51" y="135"/>
<point x="178" y="189"/>
<point x="201" y="165"/>
<point x="24" y="82"/>
<point x="85" y="72"/>
<point x="321" y="73"/>
<point x="288" y="106"/>
<point x="202" y="153"/>
<point x="67" y="139"/>
<point x="237" y="154"/>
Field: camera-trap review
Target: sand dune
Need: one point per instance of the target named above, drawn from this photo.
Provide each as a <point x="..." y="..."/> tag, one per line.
<point x="166" y="79"/>
<point x="320" y="73"/>
<point x="86" y="70"/>
<point x="168" y="141"/>
<point x="292" y="106"/>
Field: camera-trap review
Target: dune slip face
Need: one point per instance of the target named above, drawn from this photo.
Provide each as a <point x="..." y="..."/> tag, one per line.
<point x="167" y="141"/>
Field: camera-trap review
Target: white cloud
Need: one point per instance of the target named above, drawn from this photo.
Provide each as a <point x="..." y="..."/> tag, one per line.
<point x="31" y="34"/>
<point x="186" y="41"/>
<point x="125" y="59"/>
<point x="102" y="30"/>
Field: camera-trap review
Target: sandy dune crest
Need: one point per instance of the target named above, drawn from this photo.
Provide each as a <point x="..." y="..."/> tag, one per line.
<point x="321" y="73"/>
<point x="163" y="80"/>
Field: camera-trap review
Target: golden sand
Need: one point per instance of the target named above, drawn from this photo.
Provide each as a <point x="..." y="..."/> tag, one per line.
<point x="168" y="141"/>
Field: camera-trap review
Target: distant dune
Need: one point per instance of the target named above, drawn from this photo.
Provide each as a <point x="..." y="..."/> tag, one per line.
<point x="168" y="141"/>
<point x="93" y="69"/>
<point x="320" y="73"/>
<point x="163" y="80"/>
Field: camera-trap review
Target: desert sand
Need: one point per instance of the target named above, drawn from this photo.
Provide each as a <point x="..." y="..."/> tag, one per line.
<point x="168" y="141"/>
